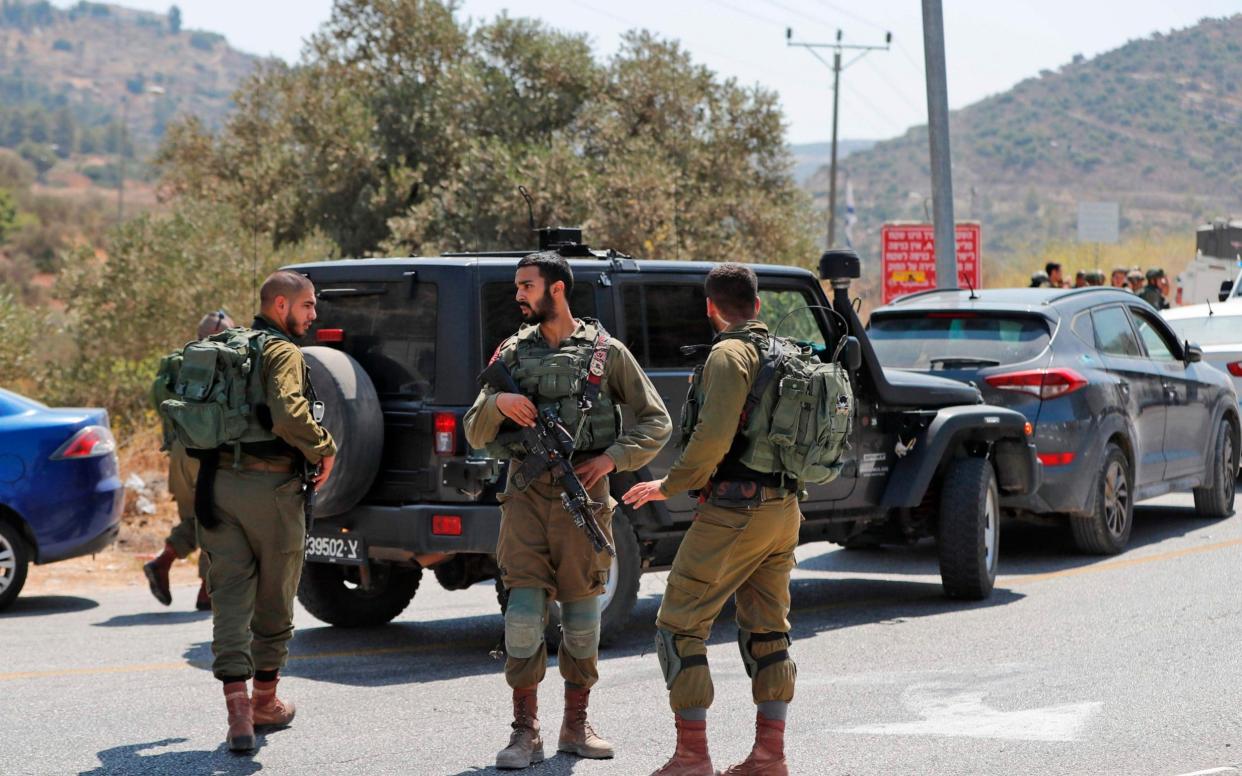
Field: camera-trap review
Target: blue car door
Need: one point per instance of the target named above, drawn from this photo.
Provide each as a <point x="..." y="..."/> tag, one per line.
<point x="1189" y="424"/>
<point x="1140" y="387"/>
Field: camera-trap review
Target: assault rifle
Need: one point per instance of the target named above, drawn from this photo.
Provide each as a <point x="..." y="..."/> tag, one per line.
<point x="549" y="447"/>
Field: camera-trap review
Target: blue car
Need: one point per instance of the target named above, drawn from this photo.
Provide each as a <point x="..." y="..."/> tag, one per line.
<point x="60" y="492"/>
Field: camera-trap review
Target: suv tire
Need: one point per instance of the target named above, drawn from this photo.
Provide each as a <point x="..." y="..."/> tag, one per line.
<point x="353" y="416"/>
<point x="1217" y="500"/>
<point x="969" y="536"/>
<point x="331" y="593"/>
<point x="620" y="594"/>
<point x="1106" y="531"/>
<point x="14" y="563"/>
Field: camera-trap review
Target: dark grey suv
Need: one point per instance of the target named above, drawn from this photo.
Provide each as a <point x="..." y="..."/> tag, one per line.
<point x="1121" y="409"/>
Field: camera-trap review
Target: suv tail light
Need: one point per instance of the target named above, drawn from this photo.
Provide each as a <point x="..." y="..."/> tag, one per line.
<point x="90" y="442"/>
<point x="1056" y="459"/>
<point x="330" y="335"/>
<point x="1235" y="368"/>
<point x="1044" y="383"/>
<point x="446" y="525"/>
<point x="446" y="433"/>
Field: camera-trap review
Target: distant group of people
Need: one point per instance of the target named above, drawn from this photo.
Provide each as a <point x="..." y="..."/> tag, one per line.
<point x="1152" y="285"/>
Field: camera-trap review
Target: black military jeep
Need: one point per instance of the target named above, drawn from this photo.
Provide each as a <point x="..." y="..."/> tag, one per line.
<point x="400" y="343"/>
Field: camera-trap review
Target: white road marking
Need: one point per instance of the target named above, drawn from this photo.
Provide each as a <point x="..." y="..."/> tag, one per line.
<point x="964" y="714"/>
<point x="1210" y="771"/>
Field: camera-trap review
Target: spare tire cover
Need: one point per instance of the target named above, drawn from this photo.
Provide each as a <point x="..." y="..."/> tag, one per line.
<point x="353" y="416"/>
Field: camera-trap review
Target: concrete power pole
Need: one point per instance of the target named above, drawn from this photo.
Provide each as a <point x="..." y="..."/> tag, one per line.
<point x="945" y="229"/>
<point x="837" y="48"/>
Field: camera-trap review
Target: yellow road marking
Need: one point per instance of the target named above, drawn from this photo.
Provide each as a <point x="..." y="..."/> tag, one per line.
<point x="1122" y="563"/>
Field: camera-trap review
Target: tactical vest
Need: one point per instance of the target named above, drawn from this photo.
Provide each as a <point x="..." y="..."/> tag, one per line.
<point x="558" y="377"/>
<point x="796" y="421"/>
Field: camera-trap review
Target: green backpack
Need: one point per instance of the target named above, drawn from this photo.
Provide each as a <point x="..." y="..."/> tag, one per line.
<point x="798" y="412"/>
<point x="208" y="393"/>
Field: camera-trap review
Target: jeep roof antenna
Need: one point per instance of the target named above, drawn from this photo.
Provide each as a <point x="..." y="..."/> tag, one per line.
<point x="530" y="207"/>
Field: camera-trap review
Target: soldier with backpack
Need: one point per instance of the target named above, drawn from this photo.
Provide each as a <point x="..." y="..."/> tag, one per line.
<point x="182" y="471"/>
<point x="241" y="402"/>
<point x="763" y="416"/>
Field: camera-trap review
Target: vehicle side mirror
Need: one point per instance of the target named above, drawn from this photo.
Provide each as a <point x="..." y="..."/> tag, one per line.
<point x="1194" y="353"/>
<point x="852" y="354"/>
<point x="1226" y="288"/>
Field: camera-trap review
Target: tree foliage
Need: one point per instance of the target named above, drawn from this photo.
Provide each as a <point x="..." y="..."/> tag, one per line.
<point x="406" y="130"/>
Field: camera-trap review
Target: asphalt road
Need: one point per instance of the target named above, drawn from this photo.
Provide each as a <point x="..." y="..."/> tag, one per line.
<point x="1077" y="665"/>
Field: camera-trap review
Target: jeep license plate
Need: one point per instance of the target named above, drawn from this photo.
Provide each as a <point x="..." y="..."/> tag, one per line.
<point x="336" y="548"/>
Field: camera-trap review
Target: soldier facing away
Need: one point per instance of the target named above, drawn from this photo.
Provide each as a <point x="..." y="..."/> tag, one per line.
<point x="741" y="544"/>
<point x="256" y="535"/>
<point x="182" y="472"/>
<point x="542" y="555"/>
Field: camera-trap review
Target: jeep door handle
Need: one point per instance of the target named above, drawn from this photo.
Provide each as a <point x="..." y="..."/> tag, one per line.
<point x="1124" y="385"/>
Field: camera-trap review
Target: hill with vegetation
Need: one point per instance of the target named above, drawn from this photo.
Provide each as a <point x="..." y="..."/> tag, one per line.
<point x="1152" y="125"/>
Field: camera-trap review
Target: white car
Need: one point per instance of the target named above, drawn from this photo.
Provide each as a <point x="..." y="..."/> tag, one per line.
<point x="1217" y="328"/>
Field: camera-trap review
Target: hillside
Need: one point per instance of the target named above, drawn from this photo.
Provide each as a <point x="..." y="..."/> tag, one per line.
<point x="809" y="157"/>
<point x="1153" y="125"/>
<point x="69" y="77"/>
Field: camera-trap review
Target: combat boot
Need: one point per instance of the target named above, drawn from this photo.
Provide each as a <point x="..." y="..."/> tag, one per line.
<point x="691" y="757"/>
<point x="268" y="709"/>
<point x="767" y="758"/>
<point x="203" y="602"/>
<point x="156" y="571"/>
<point x="525" y="745"/>
<point x="241" y="717"/>
<point x="577" y="735"/>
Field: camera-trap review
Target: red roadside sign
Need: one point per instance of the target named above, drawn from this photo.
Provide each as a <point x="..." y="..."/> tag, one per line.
<point x="908" y="258"/>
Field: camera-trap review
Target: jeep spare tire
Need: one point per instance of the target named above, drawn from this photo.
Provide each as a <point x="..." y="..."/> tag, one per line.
<point x="352" y="415"/>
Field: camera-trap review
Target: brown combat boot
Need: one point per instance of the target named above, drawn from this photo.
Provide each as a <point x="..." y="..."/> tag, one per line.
<point x="767" y="758"/>
<point x="268" y="709"/>
<point x="525" y="745"/>
<point x="577" y="735"/>
<point x="241" y="718"/>
<point x="203" y="602"/>
<point x="156" y="571"/>
<point x="691" y="757"/>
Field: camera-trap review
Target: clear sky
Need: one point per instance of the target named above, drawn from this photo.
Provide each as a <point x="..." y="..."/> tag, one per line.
<point x="991" y="44"/>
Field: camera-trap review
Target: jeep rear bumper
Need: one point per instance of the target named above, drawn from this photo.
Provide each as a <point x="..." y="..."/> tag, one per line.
<point x="410" y="528"/>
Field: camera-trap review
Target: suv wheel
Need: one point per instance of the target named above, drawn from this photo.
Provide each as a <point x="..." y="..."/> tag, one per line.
<point x="969" y="538"/>
<point x="1106" y="531"/>
<point x="1217" y="501"/>
<point x="14" y="561"/>
<point x="333" y="594"/>
<point x="620" y="591"/>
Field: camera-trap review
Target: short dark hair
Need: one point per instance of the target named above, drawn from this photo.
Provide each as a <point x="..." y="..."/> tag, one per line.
<point x="283" y="282"/>
<point x="733" y="288"/>
<point x="552" y="267"/>
<point x="1051" y="266"/>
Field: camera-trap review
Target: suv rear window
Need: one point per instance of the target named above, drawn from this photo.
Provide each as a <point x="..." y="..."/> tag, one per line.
<point x="391" y="335"/>
<point x="659" y="319"/>
<point x="917" y="341"/>
<point x="501" y="317"/>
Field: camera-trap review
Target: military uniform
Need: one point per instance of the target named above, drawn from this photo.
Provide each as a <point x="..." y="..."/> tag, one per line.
<point x="1151" y="294"/>
<point x="542" y="555"/>
<point x="182" y="472"/>
<point x="259" y="537"/>
<point x="744" y="550"/>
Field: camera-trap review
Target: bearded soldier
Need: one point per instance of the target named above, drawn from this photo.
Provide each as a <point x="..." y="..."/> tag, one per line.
<point x="574" y="367"/>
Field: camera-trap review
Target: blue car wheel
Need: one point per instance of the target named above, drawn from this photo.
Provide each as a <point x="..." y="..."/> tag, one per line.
<point x="14" y="560"/>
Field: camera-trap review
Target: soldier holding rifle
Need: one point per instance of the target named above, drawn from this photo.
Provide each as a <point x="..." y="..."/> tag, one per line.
<point x="573" y="379"/>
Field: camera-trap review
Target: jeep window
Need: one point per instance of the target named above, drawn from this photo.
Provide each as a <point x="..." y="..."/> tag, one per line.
<point x="501" y="317"/>
<point x="788" y="310"/>
<point x="912" y="341"/>
<point x="391" y="335"/>
<point x="1113" y="334"/>
<point x="659" y="319"/>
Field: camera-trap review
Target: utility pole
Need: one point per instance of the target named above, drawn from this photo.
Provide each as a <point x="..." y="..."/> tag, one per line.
<point x="837" y="48"/>
<point x="944" y="227"/>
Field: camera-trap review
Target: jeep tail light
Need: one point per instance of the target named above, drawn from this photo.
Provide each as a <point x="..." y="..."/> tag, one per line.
<point x="1235" y="368"/>
<point x="446" y="525"/>
<point x="330" y="335"/>
<point x="446" y="433"/>
<point x="1056" y="459"/>
<point x="1044" y="383"/>
<point x="90" y="442"/>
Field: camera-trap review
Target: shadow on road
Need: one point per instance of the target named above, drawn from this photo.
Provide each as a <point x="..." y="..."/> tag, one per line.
<point x="38" y="605"/>
<point x="153" y="618"/>
<point x="556" y="765"/>
<point x="129" y="759"/>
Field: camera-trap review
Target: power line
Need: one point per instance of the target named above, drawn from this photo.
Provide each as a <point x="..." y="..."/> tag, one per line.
<point x="896" y="90"/>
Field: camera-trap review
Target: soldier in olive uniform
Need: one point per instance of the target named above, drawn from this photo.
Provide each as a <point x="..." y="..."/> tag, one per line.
<point x="543" y="556"/>
<point x="182" y="472"/>
<point x="1152" y="292"/>
<point x="741" y="544"/>
<point x="256" y="536"/>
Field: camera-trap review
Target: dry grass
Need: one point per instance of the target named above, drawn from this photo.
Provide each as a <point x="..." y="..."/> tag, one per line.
<point x="1171" y="253"/>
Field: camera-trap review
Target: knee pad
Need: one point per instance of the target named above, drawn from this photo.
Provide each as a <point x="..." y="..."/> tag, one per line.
<point x="672" y="663"/>
<point x="524" y="621"/>
<point x="580" y="628"/>
<point x="754" y="665"/>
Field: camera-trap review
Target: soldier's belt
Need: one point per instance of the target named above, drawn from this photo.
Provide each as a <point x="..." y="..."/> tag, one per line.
<point x="739" y="494"/>
<point x="261" y="466"/>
